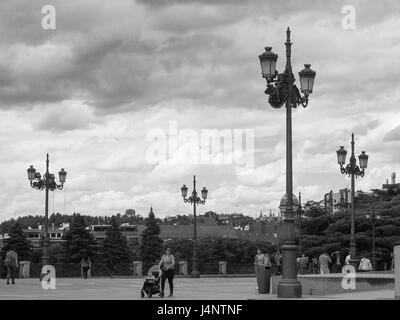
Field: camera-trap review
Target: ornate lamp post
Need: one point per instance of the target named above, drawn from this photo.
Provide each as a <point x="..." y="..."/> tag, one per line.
<point x="353" y="171"/>
<point x="282" y="91"/>
<point x="47" y="183"/>
<point x="195" y="200"/>
<point x="373" y="217"/>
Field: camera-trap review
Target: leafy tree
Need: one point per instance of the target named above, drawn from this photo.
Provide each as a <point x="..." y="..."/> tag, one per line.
<point x="115" y="247"/>
<point x="151" y="246"/>
<point x="313" y="209"/>
<point x="79" y="242"/>
<point x="18" y="241"/>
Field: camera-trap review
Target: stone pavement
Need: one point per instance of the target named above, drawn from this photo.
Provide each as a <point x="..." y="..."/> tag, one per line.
<point x="129" y="289"/>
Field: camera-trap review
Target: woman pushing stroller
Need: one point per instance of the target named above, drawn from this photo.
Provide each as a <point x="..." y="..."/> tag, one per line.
<point x="167" y="266"/>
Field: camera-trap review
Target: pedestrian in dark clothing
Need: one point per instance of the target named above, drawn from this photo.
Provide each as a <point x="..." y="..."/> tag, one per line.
<point x="11" y="262"/>
<point x="85" y="264"/>
<point x="167" y="266"/>
<point x="278" y="262"/>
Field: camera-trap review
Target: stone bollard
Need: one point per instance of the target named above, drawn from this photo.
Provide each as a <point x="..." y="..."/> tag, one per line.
<point x="397" y="272"/>
<point x="24" y="269"/>
<point x="183" y="268"/>
<point x="222" y="267"/>
<point x="137" y="268"/>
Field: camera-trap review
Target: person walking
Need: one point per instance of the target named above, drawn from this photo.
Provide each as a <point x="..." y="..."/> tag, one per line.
<point x="391" y="261"/>
<point x="303" y="263"/>
<point x="111" y="267"/>
<point x="167" y="266"/>
<point x="314" y="265"/>
<point x="324" y="261"/>
<point x="85" y="265"/>
<point x="261" y="260"/>
<point x="365" y="265"/>
<point x="337" y="266"/>
<point x="278" y="262"/>
<point x="11" y="262"/>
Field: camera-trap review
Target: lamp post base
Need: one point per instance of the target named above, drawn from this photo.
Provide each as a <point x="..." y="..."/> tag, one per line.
<point x="195" y="274"/>
<point x="289" y="289"/>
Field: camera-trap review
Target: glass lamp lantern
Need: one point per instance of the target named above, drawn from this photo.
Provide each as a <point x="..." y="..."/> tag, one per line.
<point x="204" y="193"/>
<point x="31" y="173"/>
<point x="268" y="63"/>
<point x="363" y="159"/>
<point x="62" y="175"/>
<point x="307" y="77"/>
<point x="184" y="191"/>
<point x="341" y="155"/>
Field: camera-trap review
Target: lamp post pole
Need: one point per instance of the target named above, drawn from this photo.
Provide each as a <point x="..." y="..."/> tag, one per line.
<point x="354" y="171"/>
<point x="282" y="91"/>
<point x="48" y="184"/>
<point x="195" y="200"/>
<point x="374" y="217"/>
<point x="299" y="212"/>
<point x="45" y="256"/>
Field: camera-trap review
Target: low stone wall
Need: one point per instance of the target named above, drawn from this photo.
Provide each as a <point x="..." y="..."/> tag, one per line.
<point x="326" y="284"/>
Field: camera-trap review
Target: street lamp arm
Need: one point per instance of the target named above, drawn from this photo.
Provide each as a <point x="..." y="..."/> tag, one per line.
<point x="194" y="199"/>
<point x="352" y="169"/>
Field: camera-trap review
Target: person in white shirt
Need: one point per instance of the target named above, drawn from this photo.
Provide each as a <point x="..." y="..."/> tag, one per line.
<point x="347" y="261"/>
<point x="365" y="265"/>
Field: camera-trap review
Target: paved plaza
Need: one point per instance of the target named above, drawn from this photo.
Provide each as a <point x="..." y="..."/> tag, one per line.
<point x="241" y="288"/>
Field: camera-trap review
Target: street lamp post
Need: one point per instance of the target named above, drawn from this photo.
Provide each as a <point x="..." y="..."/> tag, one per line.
<point x="195" y="200"/>
<point x="47" y="183"/>
<point x="354" y="171"/>
<point x="282" y="91"/>
<point x="299" y="213"/>
<point x="373" y="217"/>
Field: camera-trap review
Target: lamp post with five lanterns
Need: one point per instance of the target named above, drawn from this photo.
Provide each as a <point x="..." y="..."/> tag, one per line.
<point x="195" y="200"/>
<point x="47" y="183"/>
<point x="282" y="91"/>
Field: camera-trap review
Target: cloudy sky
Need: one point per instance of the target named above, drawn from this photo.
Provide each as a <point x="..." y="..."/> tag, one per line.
<point x="113" y="74"/>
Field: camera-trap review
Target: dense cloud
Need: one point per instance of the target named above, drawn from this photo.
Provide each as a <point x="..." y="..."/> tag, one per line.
<point x="90" y="91"/>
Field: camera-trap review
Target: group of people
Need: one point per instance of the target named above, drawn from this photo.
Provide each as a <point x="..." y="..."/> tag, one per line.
<point x="271" y="262"/>
<point x="322" y="264"/>
<point x="329" y="263"/>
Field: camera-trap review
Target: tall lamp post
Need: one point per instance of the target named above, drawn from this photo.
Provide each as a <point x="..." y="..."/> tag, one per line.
<point x="353" y="171"/>
<point x="282" y="91"/>
<point x="299" y="214"/>
<point x="195" y="200"/>
<point x="373" y="217"/>
<point x="47" y="183"/>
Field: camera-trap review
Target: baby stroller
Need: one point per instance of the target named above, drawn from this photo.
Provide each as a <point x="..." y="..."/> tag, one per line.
<point x="151" y="284"/>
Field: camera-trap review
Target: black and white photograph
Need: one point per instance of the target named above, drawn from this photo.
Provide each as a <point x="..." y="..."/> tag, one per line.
<point x="196" y="155"/>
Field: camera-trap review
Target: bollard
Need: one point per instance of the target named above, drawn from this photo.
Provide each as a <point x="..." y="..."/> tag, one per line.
<point x="24" y="269"/>
<point x="222" y="267"/>
<point x="183" y="268"/>
<point x="397" y="272"/>
<point x="137" y="268"/>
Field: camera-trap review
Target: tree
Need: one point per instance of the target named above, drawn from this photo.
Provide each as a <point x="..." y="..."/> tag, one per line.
<point x="115" y="247"/>
<point x="79" y="242"/>
<point x="19" y="242"/>
<point x="151" y="246"/>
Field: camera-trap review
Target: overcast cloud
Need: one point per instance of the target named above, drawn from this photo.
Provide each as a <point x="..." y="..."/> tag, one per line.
<point x="89" y="92"/>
